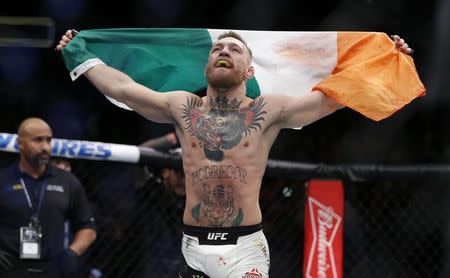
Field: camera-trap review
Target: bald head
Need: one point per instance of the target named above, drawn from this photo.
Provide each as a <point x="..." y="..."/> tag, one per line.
<point x="34" y="139"/>
<point x="31" y="125"/>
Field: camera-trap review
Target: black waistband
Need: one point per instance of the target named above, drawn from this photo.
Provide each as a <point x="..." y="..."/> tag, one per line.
<point x="220" y="235"/>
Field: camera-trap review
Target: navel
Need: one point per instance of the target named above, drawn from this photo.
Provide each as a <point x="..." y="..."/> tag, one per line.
<point x="246" y="144"/>
<point x="193" y="144"/>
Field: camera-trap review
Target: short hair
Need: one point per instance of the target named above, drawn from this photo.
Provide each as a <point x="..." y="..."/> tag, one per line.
<point x="232" y="34"/>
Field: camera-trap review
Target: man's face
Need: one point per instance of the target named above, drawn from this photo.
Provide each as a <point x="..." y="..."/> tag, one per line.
<point x="228" y="64"/>
<point x="35" y="145"/>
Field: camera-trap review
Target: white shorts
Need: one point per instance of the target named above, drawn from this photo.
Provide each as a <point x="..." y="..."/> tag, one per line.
<point x="231" y="252"/>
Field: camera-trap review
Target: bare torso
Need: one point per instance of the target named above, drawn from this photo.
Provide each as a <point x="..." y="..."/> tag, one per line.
<point x="225" y="140"/>
<point x="225" y="147"/>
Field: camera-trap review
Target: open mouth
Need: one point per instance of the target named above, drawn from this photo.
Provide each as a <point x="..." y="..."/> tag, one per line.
<point x="223" y="64"/>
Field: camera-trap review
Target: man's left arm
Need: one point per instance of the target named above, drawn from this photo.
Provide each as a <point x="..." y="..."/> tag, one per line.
<point x="302" y="110"/>
<point x="69" y="260"/>
<point x="81" y="219"/>
<point x="83" y="224"/>
<point x="83" y="238"/>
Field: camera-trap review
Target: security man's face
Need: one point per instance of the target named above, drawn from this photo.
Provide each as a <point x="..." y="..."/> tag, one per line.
<point x="35" y="145"/>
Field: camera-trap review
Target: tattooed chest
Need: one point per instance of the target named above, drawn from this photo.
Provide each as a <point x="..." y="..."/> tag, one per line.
<point x="224" y="125"/>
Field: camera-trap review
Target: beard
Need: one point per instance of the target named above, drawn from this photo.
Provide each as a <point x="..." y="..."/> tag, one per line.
<point x="223" y="78"/>
<point x="38" y="160"/>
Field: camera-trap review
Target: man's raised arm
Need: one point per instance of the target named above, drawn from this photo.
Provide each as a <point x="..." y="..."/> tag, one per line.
<point x="298" y="111"/>
<point x="113" y="83"/>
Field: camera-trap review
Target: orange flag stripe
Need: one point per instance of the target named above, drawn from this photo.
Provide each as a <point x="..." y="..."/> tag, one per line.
<point x="372" y="76"/>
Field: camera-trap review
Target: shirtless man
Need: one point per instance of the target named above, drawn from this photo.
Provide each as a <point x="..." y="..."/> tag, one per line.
<point x="225" y="139"/>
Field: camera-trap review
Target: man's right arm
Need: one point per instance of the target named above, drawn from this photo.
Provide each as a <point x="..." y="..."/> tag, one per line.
<point x="153" y="105"/>
<point x="113" y="83"/>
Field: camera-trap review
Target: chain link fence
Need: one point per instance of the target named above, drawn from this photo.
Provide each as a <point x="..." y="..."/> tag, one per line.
<point x="391" y="228"/>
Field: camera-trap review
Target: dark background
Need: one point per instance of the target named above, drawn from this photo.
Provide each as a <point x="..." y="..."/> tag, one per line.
<point x="34" y="82"/>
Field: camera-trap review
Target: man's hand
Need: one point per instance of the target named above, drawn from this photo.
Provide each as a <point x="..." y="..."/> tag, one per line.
<point x="6" y="262"/>
<point x="65" y="39"/>
<point x="401" y="44"/>
<point x="68" y="262"/>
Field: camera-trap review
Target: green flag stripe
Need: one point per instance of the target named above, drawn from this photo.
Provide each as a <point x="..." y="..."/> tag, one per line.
<point x="162" y="59"/>
<point x="159" y="58"/>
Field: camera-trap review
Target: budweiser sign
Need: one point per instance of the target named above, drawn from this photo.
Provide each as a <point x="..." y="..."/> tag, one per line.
<point x="323" y="249"/>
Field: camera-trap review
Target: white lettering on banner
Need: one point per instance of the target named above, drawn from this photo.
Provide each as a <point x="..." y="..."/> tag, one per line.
<point x="325" y="223"/>
<point x="80" y="149"/>
<point x="216" y="236"/>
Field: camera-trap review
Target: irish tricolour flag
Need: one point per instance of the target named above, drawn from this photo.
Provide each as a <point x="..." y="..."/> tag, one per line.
<point x="362" y="70"/>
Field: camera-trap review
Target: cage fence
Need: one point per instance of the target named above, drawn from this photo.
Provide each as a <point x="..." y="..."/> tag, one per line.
<point x="393" y="227"/>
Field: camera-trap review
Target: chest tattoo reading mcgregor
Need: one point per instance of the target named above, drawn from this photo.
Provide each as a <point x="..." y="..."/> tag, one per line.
<point x="224" y="125"/>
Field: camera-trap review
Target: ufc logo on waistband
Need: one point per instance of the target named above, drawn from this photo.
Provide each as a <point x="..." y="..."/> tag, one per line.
<point x="216" y="236"/>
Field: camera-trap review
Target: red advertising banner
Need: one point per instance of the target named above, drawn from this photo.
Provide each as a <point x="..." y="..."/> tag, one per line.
<point x="324" y="215"/>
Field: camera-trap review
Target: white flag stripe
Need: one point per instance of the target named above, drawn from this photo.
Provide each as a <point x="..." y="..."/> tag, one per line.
<point x="286" y="62"/>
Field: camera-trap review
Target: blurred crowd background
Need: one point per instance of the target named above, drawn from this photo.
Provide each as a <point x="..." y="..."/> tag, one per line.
<point x="139" y="206"/>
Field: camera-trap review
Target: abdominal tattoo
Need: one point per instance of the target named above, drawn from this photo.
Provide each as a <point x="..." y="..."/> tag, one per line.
<point x="224" y="125"/>
<point x="217" y="208"/>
